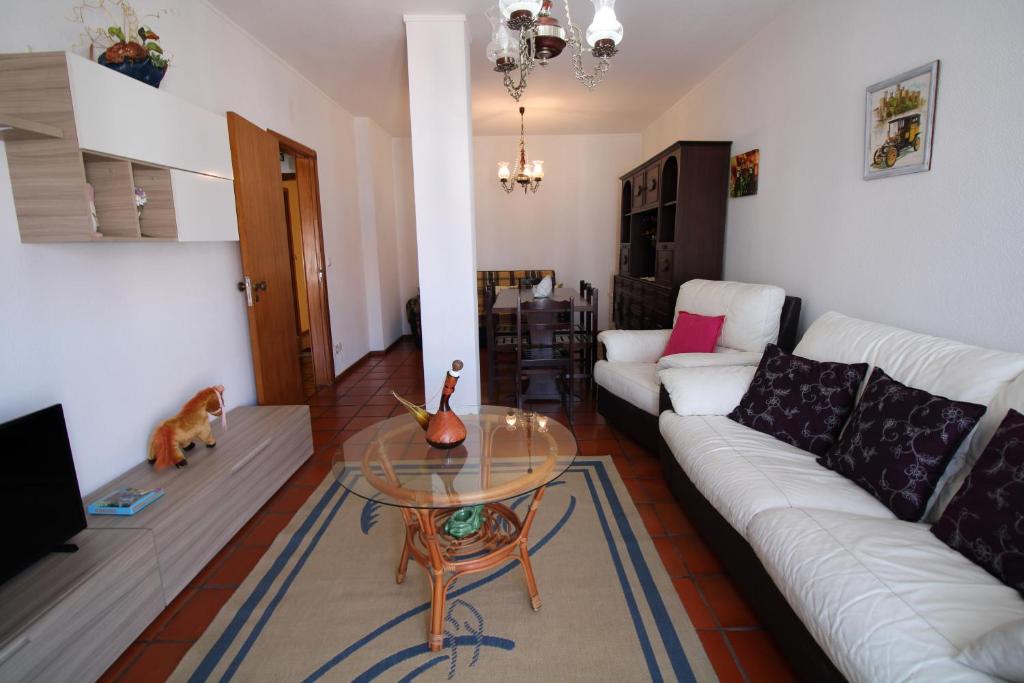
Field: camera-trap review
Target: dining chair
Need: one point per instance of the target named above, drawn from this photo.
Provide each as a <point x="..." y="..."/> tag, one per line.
<point x="585" y="332"/>
<point x="501" y="344"/>
<point x="545" y="364"/>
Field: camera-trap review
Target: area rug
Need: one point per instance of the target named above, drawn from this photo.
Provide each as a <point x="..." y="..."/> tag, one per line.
<point x="323" y="605"/>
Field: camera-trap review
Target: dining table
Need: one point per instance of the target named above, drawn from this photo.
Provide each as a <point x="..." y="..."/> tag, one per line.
<point x="506" y="302"/>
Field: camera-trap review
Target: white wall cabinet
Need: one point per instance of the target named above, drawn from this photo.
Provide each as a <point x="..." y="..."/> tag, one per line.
<point x="204" y="207"/>
<point x="122" y="117"/>
<point x="102" y="135"/>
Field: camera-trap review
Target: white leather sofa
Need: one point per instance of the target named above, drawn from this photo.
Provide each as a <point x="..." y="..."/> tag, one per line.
<point x="883" y="599"/>
<point x="628" y="375"/>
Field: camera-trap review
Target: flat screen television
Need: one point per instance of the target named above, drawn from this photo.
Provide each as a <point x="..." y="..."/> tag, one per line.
<point x="38" y="489"/>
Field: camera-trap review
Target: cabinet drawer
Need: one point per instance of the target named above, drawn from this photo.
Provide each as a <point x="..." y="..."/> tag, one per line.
<point x="663" y="267"/>
<point x="97" y="619"/>
<point x="218" y="512"/>
<point x="209" y="523"/>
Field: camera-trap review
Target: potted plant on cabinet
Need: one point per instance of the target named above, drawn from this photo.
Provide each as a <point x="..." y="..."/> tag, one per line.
<point x="127" y="46"/>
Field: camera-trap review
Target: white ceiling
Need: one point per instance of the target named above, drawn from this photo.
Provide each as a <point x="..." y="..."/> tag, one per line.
<point x="354" y="50"/>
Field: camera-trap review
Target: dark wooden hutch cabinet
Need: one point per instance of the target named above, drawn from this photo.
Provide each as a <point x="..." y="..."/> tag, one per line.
<point x="671" y="229"/>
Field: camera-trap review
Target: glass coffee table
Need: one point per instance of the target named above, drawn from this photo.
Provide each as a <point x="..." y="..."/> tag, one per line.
<point x="451" y="500"/>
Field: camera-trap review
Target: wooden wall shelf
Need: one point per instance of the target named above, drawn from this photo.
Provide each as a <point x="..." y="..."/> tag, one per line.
<point x="17" y="128"/>
<point x="68" y="124"/>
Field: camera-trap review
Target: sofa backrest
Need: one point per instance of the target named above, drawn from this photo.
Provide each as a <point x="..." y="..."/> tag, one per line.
<point x="939" y="366"/>
<point x="751" y="311"/>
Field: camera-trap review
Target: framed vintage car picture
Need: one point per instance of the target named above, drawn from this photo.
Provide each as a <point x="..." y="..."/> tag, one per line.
<point x="899" y="119"/>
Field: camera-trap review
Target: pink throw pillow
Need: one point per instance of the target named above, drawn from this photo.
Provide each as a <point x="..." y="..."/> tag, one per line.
<point x="694" y="333"/>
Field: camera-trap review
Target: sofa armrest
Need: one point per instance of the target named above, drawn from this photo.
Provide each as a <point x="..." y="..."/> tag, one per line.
<point x="714" y="390"/>
<point x="634" y="346"/>
<point x="704" y="360"/>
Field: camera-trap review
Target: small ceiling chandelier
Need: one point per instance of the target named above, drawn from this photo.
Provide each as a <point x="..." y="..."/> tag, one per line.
<point x="524" y="34"/>
<point x="527" y="174"/>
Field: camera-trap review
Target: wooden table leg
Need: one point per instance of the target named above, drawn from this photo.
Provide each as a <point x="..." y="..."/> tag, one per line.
<point x="524" y="552"/>
<point x="424" y="525"/>
<point x="435" y="634"/>
<point x="403" y="563"/>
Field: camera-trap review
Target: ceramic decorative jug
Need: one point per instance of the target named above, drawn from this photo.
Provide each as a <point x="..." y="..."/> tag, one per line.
<point x="444" y="428"/>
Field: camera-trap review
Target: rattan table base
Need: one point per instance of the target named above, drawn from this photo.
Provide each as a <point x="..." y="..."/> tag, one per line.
<point x="501" y="537"/>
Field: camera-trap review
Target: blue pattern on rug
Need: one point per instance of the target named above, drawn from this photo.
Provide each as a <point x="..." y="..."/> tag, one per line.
<point x="408" y="653"/>
<point x="423" y="607"/>
<point x="474" y="635"/>
<point x="369" y="516"/>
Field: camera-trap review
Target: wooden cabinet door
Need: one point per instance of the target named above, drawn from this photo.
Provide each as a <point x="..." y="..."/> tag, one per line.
<point x="263" y="237"/>
<point x="639" y="192"/>
<point x="652" y="188"/>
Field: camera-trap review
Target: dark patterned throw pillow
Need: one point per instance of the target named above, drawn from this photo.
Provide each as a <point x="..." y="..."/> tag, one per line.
<point x="985" y="520"/>
<point x="800" y="401"/>
<point x="899" y="442"/>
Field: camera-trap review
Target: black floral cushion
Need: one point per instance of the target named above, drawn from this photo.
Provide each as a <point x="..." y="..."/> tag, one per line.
<point x="800" y="401"/>
<point x="899" y="442"/>
<point x="985" y="520"/>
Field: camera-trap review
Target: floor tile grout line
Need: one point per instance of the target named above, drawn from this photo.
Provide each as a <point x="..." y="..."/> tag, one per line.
<point x="127" y="667"/>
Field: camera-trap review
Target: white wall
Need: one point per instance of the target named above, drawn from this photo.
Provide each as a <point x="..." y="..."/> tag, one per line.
<point x="381" y="258"/>
<point x="940" y="251"/>
<point x="405" y="225"/>
<point x="570" y="224"/>
<point x="123" y="334"/>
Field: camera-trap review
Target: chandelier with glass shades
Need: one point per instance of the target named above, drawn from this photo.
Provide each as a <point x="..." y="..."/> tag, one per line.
<point x="524" y="34"/>
<point x="526" y="174"/>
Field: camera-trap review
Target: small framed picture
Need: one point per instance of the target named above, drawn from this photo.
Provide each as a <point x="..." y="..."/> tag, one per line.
<point x="899" y="119"/>
<point x="743" y="170"/>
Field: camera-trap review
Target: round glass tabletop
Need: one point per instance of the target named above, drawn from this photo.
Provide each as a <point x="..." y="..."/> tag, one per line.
<point x="506" y="453"/>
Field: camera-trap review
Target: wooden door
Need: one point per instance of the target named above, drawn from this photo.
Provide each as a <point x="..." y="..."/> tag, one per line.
<point x="316" y="269"/>
<point x="263" y="236"/>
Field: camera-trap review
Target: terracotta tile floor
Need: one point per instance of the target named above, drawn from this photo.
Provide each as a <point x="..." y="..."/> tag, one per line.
<point x="739" y="649"/>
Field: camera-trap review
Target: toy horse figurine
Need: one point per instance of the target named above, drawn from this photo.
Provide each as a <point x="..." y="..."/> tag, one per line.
<point x="173" y="436"/>
<point x="444" y="428"/>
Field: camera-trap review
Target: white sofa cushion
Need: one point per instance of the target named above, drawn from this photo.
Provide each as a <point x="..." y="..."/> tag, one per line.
<point x="885" y="599"/>
<point x="721" y="356"/>
<point x="706" y="390"/>
<point x="633" y="382"/>
<point x="1012" y="396"/>
<point x="743" y="472"/>
<point x="634" y="346"/>
<point x="939" y="366"/>
<point x="751" y="311"/>
<point x="999" y="652"/>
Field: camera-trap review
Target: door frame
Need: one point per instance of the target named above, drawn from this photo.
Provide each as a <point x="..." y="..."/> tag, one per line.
<point x="307" y="179"/>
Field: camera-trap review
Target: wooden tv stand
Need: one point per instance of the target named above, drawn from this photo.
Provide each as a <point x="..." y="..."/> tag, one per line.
<point x="69" y="616"/>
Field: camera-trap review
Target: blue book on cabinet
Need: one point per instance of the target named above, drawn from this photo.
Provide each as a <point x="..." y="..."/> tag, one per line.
<point x="125" y="501"/>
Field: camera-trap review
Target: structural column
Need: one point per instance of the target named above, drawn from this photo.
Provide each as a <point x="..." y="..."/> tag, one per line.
<point x="442" y="162"/>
